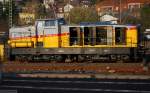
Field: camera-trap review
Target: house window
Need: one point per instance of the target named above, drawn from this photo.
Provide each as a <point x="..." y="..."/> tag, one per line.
<point x="117" y="8"/>
<point x="60" y="10"/>
<point x="132" y="6"/>
<point x="85" y="6"/>
<point x="107" y="8"/>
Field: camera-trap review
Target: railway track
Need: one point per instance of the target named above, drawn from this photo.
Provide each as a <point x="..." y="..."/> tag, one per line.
<point x="126" y="68"/>
<point x="32" y="85"/>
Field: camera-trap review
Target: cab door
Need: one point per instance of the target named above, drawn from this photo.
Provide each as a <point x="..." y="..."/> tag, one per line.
<point x="39" y="33"/>
<point x="120" y="35"/>
<point x="76" y="36"/>
<point x="90" y="35"/>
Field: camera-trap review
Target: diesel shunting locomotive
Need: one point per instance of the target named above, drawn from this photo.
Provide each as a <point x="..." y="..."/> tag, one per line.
<point x="54" y="40"/>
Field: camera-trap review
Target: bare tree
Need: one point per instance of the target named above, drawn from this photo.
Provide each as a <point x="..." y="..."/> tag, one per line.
<point x="80" y="14"/>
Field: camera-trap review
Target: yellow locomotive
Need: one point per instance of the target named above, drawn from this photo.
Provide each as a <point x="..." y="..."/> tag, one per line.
<point x="52" y="39"/>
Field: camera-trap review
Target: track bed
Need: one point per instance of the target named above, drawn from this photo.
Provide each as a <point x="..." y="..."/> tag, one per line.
<point x="125" y="68"/>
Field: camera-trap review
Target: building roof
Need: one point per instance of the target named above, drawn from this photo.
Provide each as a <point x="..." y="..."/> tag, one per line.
<point x="112" y="2"/>
<point x="117" y="3"/>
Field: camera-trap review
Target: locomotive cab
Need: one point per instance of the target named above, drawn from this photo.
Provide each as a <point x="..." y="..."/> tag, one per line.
<point x="48" y="32"/>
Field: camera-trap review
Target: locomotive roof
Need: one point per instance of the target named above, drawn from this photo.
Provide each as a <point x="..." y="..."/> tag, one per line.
<point x="107" y="23"/>
<point x="48" y="19"/>
<point x="100" y="25"/>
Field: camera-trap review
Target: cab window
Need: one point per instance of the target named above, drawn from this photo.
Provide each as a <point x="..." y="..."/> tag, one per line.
<point x="49" y="23"/>
<point x="40" y="24"/>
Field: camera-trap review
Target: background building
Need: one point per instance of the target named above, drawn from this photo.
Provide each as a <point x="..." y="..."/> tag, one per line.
<point x="121" y="8"/>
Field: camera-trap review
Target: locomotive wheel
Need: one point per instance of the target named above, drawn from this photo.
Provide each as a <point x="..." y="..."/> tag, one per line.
<point x="125" y="58"/>
<point x="30" y="58"/>
<point x="113" y="58"/>
<point x="17" y="58"/>
<point x="80" y="58"/>
<point x="21" y="58"/>
<point x="59" y="58"/>
<point x="68" y="59"/>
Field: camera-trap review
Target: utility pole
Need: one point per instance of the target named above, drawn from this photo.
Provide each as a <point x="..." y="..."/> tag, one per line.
<point x="53" y="8"/>
<point x="4" y="5"/>
<point x="10" y="13"/>
<point x="69" y="11"/>
<point x="120" y="10"/>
